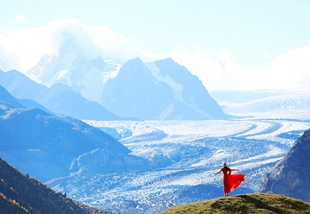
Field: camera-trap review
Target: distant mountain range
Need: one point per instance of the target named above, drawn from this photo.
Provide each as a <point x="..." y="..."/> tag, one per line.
<point x="58" y="98"/>
<point x="78" y="83"/>
<point x="102" y="88"/>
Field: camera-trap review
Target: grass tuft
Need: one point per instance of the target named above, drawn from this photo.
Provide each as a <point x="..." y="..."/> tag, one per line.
<point x="245" y="203"/>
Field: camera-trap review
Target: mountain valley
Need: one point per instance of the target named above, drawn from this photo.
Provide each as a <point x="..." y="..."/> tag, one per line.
<point x="139" y="137"/>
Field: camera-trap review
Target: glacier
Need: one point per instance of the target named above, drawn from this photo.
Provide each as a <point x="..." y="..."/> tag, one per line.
<point x="185" y="155"/>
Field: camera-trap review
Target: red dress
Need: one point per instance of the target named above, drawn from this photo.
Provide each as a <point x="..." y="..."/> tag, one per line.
<point x="231" y="181"/>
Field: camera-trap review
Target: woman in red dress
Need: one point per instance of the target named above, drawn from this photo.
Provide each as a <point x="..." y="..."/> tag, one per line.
<point x="230" y="181"/>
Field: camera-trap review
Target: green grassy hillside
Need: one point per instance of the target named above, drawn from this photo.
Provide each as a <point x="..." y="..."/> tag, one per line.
<point x="247" y="203"/>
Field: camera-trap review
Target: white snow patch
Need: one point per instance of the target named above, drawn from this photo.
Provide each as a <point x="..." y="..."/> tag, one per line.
<point x="61" y="74"/>
<point x="34" y="150"/>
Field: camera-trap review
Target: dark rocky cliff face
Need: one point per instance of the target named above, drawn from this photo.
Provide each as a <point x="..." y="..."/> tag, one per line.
<point x="291" y="176"/>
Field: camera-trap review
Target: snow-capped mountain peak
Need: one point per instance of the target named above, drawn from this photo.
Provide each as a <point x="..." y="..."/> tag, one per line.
<point x="161" y="89"/>
<point x="77" y="66"/>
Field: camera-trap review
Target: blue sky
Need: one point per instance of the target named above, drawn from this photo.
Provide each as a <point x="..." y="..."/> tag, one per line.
<point x="240" y="40"/>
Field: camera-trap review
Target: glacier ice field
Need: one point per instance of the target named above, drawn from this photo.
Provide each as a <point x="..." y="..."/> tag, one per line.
<point x="186" y="153"/>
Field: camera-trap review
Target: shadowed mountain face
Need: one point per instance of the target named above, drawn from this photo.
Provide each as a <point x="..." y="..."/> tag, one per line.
<point x="47" y="146"/>
<point x="160" y="90"/>
<point x="291" y="176"/>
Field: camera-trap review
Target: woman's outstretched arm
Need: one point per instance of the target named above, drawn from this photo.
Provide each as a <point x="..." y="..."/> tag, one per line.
<point x="234" y="169"/>
<point x="217" y="173"/>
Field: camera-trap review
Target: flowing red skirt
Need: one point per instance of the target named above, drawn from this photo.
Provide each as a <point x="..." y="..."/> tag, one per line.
<point x="232" y="181"/>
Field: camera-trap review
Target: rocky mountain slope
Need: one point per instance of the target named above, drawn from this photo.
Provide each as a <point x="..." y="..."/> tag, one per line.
<point x="21" y="194"/>
<point x="291" y="176"/>
<point x="247" y="203"/>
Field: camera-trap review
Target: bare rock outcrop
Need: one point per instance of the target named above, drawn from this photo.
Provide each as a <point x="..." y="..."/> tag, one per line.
<point x="291" y="175"/>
